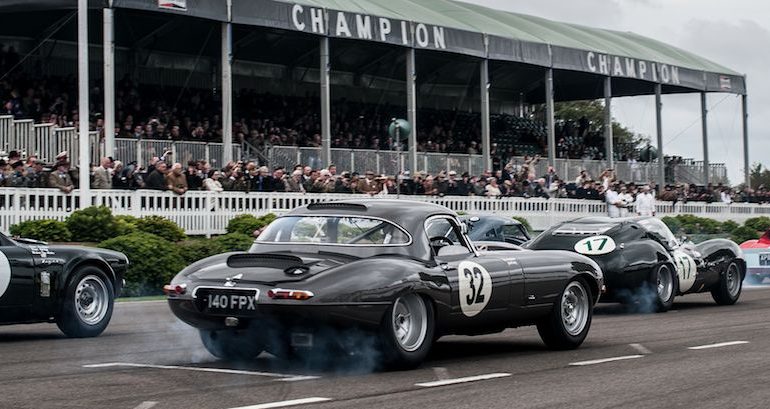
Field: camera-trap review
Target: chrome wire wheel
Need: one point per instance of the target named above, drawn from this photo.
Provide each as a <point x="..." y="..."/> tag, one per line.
<point x="575" y="308"/>
<point x="91" y="300"/>
<point x="733" y="280"/>
<point x="409" y="322"/>
<point x="665" y="283"/>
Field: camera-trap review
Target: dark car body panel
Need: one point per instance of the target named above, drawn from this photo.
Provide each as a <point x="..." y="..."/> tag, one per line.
<point x="354" y="286"/>
<point x="639" y="252"/>
<point x="25" y="300"/>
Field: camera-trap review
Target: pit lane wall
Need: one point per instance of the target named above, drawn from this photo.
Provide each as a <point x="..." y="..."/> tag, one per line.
<point x="207" y="213"/>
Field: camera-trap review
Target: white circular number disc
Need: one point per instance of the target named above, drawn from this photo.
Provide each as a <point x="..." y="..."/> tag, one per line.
<point x="475" y="287"/>
<point x="686" y="269"/>
<point x="5" y="273"/>
<point x="595" y="245"/>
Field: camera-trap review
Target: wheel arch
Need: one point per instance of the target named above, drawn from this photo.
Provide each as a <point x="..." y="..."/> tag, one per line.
<point x="80" y="263"/>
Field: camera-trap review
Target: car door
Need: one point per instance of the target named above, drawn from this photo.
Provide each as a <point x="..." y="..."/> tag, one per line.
<point x="17" y="273"/>
<point x="480" y="285"/>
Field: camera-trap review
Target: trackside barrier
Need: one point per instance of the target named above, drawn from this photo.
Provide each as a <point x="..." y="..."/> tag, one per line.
<point x="207" y="213"/>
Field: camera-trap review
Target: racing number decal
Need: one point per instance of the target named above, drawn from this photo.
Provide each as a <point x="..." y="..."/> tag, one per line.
<point x="685" y="269"/>
<point x="5" y="273"/>
<point x="595" y="245"/>
<point x="475" y="287"/>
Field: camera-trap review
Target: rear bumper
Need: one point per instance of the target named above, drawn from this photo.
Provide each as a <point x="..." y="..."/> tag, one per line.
<point x="286" y="317"/>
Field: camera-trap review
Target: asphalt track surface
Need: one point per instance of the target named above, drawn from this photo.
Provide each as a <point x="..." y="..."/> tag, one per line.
<point x="146" y="359"/>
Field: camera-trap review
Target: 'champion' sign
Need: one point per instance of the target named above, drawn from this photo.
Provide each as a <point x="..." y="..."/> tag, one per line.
<point x="632" y="68"/>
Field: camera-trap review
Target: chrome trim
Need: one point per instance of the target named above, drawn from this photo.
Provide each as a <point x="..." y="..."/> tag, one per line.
<point x="310" y="243"/>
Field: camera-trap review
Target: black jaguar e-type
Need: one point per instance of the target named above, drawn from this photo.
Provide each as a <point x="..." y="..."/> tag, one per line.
<point x="75" y="287"/>
<point x="640" y="256"/>
<point x="497" y="229"/>
<point x="404" y="273"/>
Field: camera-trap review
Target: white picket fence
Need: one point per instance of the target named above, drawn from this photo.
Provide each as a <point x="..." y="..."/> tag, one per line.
<point x="207" y="213"/>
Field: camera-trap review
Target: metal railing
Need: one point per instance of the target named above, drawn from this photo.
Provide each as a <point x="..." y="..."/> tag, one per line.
<point x="207" y="213"/>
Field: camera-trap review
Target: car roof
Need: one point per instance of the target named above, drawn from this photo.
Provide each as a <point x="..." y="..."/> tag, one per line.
<point x="491" y="218"/>
<point x="595" y="224"/>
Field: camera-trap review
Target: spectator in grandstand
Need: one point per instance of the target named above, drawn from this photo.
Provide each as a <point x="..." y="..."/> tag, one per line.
<point x="613" y="200"/>
<point x="726" y="196"/>
<point x="368" y="185"/>
<point x="259" y="179"/>
<point x="626" y="201"/>
<point x="492" y="189"/>
<point x="103" y="174"/>
<point x="324" y="183"/>
<point x="550" y="177"/>
<point x="194" y="176"/>
<point x="212" y="182"/>
<point x="582" y="178"/>
<point x="176" y="181"/>
<point x="645" y="202"/>
<point x="18" y="177"/>
<point x="157" y="177"/>
<point x="38" y="178"/>
<point x="61" y="178"/>
<point x="279" y="180"/>
<point x="294" y="183"/>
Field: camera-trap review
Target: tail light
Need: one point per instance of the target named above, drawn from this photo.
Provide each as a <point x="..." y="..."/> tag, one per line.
<point x="178" y="289"/>
<point x="284" y="294"/>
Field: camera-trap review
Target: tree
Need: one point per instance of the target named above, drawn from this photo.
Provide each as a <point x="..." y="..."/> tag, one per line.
<point x="759" y="175"/>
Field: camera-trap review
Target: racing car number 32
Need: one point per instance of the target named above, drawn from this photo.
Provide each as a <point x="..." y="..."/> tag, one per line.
<point x="475" y="287"/>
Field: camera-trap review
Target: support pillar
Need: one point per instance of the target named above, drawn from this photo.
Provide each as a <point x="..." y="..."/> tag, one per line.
<point x="608" y="149"/>
<point x="326" y="129"/>
<point x="227" y="93"/>
<point x="109" y="82"/>
<point x="661" y="180"/>
<point x="486" y="147"/>
<point x="411" y="106"/>
<point x="84" y="145"/>
<point x="704" y="128"/>
<point x="549" y="117"/>
<point x="746" y="168"/>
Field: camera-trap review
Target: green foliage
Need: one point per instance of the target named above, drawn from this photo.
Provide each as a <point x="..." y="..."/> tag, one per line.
<point x="45" y="230"/>
<point x="247" y="223"/>
<point x="153" y="261"/>
<point x="92" y="224"/>
<point x="744" y="233"/>
<point x="234" y="242"/>
<point x="524" y="222"/>
<point x="160" y="226"/>
<point x="673" y="224"/>
<point x="125" y="225"/>
<point x="729" y="226"/>
<point x="689" y="224"/>
<point x="196" y="249"/>
<point x="761" y="223"/>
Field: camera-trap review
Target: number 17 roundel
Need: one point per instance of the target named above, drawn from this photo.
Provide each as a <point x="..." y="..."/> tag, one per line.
<point x="475" y="287"/>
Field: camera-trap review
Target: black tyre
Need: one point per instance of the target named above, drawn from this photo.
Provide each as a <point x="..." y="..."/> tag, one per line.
<point x="567" y="325"/>
<point x="86" y="307"/>
<point x="231" y="345"/>
<point x="406" y="332"/>
<point x="665" y="283"/>
<point x="728" y="290"/>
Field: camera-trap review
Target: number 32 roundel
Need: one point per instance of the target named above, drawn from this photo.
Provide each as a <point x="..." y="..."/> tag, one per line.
<point x="475" y="287"/>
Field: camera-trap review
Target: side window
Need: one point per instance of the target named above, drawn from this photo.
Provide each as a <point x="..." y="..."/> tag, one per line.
<point x="446" y="237"/>
<point x="514" y="231"/>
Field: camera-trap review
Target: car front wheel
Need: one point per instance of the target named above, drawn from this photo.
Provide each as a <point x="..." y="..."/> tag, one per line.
<point x="407" y="331"/>
<point x="566" y="327"/>
<point x="87" y="304"/>
<point x="727" y="291"/>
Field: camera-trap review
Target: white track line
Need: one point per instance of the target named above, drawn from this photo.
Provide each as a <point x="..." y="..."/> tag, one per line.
<point x="462" y="380"/>
<point x="285" y="377"/>
<point x="601" y="361"/>
<point x="719" y="345"/>
<point x="146" y="405"/>
<point x="640" y="349"/>
<point x="285" y="403"/>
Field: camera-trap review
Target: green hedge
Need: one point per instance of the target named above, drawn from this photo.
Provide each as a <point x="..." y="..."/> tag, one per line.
<point x="160" y="226"/>
<point x="247" y="223"/>
<point x="234" y="242"/>
<point x="743" y="233"/>
<point x="193" y="250"/>
<point x="45" y="230"/>
<point x="92" y="224"/>
<point x="761" y="223"/>
<point x="153" y="261"/>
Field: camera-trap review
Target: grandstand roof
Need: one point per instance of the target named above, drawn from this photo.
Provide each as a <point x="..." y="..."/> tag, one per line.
<point x="447" y="25"/>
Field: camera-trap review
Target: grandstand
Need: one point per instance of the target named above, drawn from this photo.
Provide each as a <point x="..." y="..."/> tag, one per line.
<point x="320" y="83"/>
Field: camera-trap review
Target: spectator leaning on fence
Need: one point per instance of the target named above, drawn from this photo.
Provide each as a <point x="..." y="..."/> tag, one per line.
<point x="61" y="178"/>
<point x="176" y="181"/>
<point x="103" y="175"/>
<point x="645" y="202"/>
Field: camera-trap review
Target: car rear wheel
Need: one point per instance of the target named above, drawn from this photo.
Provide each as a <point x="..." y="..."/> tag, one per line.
<point x="728" y="290"/>
<point x="86" y="309"/>
<point x="407" y="332"/>
<point x="231" y="345"/>
<point x="566" y="327"/>
<point x="664" y="281"/>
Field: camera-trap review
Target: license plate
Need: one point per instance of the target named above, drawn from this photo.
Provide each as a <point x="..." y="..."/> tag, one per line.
<point x="228" y="300"/>
<point x="764" y="259"/>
